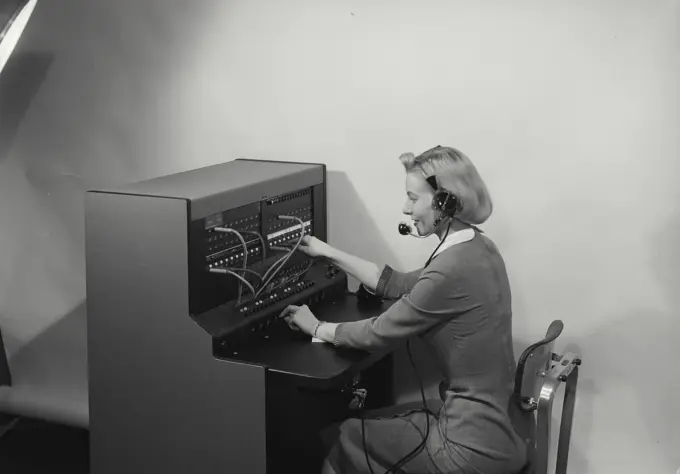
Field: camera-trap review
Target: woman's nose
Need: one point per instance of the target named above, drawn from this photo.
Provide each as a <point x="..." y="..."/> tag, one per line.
<point x="406" y="209"/>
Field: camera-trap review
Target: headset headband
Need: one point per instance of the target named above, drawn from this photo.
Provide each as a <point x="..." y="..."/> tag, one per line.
<point x="432" y="181"/>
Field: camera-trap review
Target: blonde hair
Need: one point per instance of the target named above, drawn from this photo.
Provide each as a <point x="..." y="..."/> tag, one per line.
<point x="454" y="172"/>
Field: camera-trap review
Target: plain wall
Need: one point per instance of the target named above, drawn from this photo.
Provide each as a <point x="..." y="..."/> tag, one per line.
<point x="570" y="111"/>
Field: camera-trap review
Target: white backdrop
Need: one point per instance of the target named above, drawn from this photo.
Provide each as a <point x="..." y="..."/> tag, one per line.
<point x="570" y="110"/>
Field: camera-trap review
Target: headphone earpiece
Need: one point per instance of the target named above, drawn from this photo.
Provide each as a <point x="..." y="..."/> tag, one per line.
<point x="445" y="202"/>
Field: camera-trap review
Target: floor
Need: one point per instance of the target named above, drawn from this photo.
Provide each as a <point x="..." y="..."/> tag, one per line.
<point x="35" y="447"/>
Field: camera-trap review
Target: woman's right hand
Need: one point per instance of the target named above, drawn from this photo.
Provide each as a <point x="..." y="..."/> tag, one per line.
<point x="313" y="246"/>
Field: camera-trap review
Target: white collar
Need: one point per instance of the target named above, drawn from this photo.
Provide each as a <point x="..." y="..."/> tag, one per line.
<point x="461" y="236"/>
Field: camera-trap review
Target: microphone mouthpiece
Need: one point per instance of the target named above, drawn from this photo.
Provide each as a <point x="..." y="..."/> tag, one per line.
<point x="404" y="228"/>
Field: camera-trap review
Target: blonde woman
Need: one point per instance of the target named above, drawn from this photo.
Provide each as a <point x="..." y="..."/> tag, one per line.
<point x="459" y="304"/>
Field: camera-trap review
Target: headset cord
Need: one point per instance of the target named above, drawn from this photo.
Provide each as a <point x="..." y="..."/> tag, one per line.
<point x="363" y="439"/>
<point x="448" y="228"/>
<point x="418" y="449"/>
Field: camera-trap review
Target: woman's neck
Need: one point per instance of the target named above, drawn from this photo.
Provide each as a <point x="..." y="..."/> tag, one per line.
<point x="456" y="225"/>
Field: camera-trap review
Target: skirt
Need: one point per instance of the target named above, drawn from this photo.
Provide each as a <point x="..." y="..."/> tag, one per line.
<point x="390" y="434"/>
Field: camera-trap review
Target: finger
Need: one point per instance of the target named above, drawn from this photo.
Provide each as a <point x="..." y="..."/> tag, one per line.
<point x="288" y="311"/>
<point x="291" y="323"/>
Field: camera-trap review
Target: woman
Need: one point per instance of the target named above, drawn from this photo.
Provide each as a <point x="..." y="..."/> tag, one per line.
<point x="460" y="305"/>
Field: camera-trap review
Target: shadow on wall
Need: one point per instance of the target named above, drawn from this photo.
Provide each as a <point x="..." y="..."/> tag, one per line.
<point x="628" y="357"/>
<point x="350" y="225"/>
<point x="661" y="407"/>
<point x="19" y="83"/>
<point x="56" y="357"/>
<point x="49" y="373"/>
<point x="633" y="353"/>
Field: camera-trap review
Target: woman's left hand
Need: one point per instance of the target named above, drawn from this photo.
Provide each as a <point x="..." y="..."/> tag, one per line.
<point x="300" y="318"/>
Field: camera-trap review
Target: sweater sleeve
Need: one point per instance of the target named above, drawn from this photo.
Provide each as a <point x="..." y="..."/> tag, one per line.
<point x="393" y="284"/>
<point x="433" y="300"/>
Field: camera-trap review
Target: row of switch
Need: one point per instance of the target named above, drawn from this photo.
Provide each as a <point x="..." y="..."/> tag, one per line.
<point x="283" y="223"/>
<point x="233" y="259"/>
<point x="279" y="295"/>
<point x="215" y="249"/>
<point x="299" y="210"/>
<point x="245" y="219"/>
<point x="289" y="237"/>
<point x="287" y="197"/>
<point x="296" y="269"/>
<point x="217" y="236"/>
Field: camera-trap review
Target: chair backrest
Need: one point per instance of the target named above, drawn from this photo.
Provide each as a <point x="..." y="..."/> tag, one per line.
<point x="540" y="371"/>
<point x="535" y="360"/>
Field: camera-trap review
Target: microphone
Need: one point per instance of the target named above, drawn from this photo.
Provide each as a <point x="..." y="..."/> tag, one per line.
<point x="405" y="229"/>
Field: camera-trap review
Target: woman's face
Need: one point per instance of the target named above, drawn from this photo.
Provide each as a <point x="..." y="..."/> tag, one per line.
<point x="418" y="204"/>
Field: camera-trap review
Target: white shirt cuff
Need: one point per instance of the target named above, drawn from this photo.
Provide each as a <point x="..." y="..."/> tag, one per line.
<point x="326" y="332"/>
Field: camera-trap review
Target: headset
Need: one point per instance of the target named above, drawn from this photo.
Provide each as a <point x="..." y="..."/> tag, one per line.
<point x="443" y="201"/>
